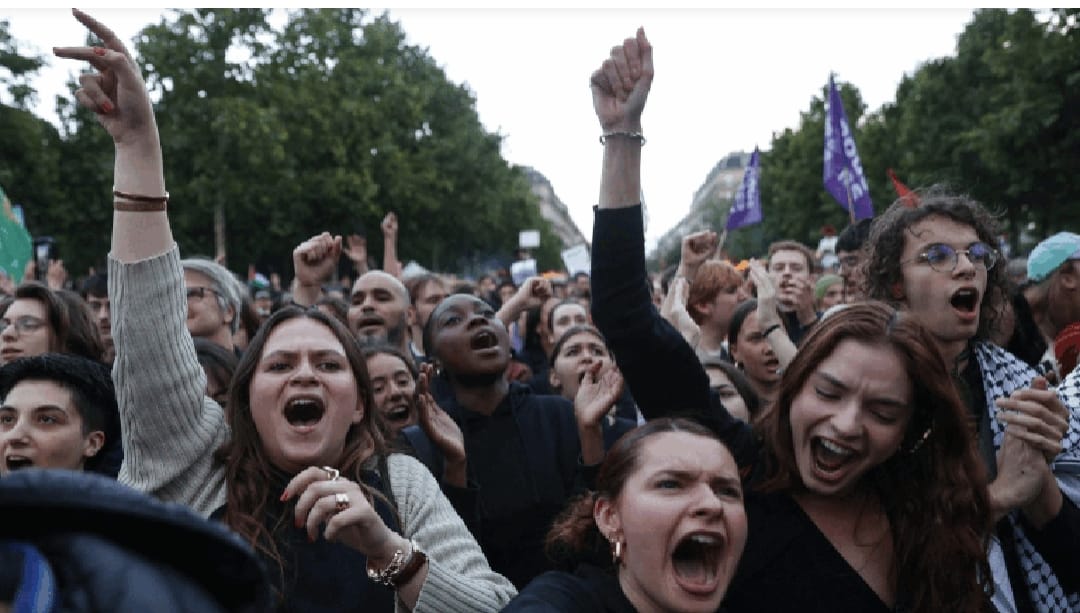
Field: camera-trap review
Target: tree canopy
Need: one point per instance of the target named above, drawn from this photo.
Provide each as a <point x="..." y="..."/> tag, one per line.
<point x="999" y="120"/>
<point x="325" y="124"/>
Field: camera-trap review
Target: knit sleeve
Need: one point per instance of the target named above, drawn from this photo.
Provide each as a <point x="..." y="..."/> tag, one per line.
<point x="169" y="428"/>
<point x="458" y="578"/>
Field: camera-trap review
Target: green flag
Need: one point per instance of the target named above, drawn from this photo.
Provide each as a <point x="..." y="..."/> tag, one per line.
<point x="15" y="244"/>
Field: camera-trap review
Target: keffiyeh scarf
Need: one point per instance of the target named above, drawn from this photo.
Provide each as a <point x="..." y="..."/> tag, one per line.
<point x="1002" y="374"/>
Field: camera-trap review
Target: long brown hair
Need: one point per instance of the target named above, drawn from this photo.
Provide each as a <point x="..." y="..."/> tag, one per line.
<point x="248" y="471"/>
<point x="574" y="537"/>
<point x="71" y="323"/>
<point x="933" y="489"/>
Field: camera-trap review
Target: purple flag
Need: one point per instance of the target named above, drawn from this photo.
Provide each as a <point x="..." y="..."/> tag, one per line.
<point x="746" y="207"/>
<point x="843" y="174"/>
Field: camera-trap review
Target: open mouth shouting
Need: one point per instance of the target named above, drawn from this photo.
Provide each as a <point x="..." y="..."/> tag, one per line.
<point x="484" y="340"/>
<point x="698" y="562"/>
<point x="370" y="324"/>
<point x="830" y="459"/>
<point x="304" y="412"/>
<point x="16" y="462"/>
<point x="398" y="414"/>
<point x="965" y="302"/>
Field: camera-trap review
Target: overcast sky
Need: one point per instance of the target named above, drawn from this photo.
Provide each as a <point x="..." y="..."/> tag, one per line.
<point x="726" y="79"/>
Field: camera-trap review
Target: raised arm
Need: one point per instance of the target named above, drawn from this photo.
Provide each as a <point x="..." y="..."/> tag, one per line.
<point x="391" y="263"/>
<point x="117" y="95"/>
<point x="170" y="429"/>
<point x="662" y="370"/>
<point x="532" y="293"/>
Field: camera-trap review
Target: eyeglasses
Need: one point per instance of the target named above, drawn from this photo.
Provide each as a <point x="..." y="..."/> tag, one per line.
<point x="23" y="324"/>
<point x="943" y="258"/>
<point x="198" y="293"/>
<point x="849" y="260"/>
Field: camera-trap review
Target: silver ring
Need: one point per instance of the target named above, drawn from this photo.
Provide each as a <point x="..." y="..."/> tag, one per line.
<point x="341" y="502"/>
<point x="332" y="473"/>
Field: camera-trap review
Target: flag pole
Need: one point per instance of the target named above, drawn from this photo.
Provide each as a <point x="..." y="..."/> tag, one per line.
<point x="850" y="202"/>
<point x="720" y="244"/>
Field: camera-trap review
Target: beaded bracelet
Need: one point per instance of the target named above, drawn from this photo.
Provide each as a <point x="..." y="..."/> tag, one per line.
<point x="140" y="204"/>
<point x="638" y="136"/>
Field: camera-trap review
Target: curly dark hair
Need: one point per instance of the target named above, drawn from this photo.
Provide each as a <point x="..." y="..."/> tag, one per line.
<point x="885" y="247"/>
<point x="933" y="489"/>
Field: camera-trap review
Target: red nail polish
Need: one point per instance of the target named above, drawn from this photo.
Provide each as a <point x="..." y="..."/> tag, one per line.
<point x="99" y="50"/>
<point x="106" y="107"/>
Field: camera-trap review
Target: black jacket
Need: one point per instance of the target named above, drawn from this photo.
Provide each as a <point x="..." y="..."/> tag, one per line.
<point x="105" y="547"/>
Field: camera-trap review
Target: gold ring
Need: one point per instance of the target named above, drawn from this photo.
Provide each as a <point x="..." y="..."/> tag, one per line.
<point x="332" y="473"/>
<point x="341" y="501"/>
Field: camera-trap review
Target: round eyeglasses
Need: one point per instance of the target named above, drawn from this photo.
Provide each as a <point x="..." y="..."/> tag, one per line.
<point x="943" y="258"/>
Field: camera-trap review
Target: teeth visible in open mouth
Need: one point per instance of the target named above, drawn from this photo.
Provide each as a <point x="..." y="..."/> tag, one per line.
<point x="834" y="448"/>
<point x="696" y="558"/>
<point x="705" y="540"/>
<point x="484" y="340"/>
<point x="400" y="413"/>
<point x="16" y="462"/>
<point x="830" y="456"/>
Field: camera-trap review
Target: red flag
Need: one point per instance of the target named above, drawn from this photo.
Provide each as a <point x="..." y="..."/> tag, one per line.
<point x="908" y="197"/>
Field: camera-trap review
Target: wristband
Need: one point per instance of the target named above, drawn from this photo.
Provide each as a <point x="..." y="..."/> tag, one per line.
<point x="638" y="136"/>
<point x="138" y="203"/>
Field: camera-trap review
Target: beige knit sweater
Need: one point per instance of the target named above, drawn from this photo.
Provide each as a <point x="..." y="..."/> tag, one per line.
<point x="171" y="430"/>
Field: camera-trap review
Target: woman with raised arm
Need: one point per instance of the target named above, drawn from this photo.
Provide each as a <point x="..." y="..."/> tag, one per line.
<point x="296" y="464"/>
<point x="866" y="493"/>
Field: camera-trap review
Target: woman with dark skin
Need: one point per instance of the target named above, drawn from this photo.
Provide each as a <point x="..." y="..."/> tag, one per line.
<point x="524" y="449"/>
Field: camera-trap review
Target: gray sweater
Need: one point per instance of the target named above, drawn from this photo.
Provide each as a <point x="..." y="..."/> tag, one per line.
<point x="171" y="430"/>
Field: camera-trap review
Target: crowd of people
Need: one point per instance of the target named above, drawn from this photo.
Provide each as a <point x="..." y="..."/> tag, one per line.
<point x="888" y="424"/>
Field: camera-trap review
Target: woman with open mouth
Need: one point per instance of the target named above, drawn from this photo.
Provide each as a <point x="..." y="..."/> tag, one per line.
<point x="296" y="464"/>
<point x="662" y="532"/>
<point x="524" y="449"/>
<point x="865" y="491"/>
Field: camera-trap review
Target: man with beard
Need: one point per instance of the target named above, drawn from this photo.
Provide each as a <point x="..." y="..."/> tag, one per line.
<point x="378" y="310"/>
<point x="936" y="261"/>
<point x="378" y="304"/>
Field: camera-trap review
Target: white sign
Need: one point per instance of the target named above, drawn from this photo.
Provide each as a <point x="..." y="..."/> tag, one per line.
<point x="521" y="270"/>
<point x="529" y="239"/>
<point x="577" y="259"/>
